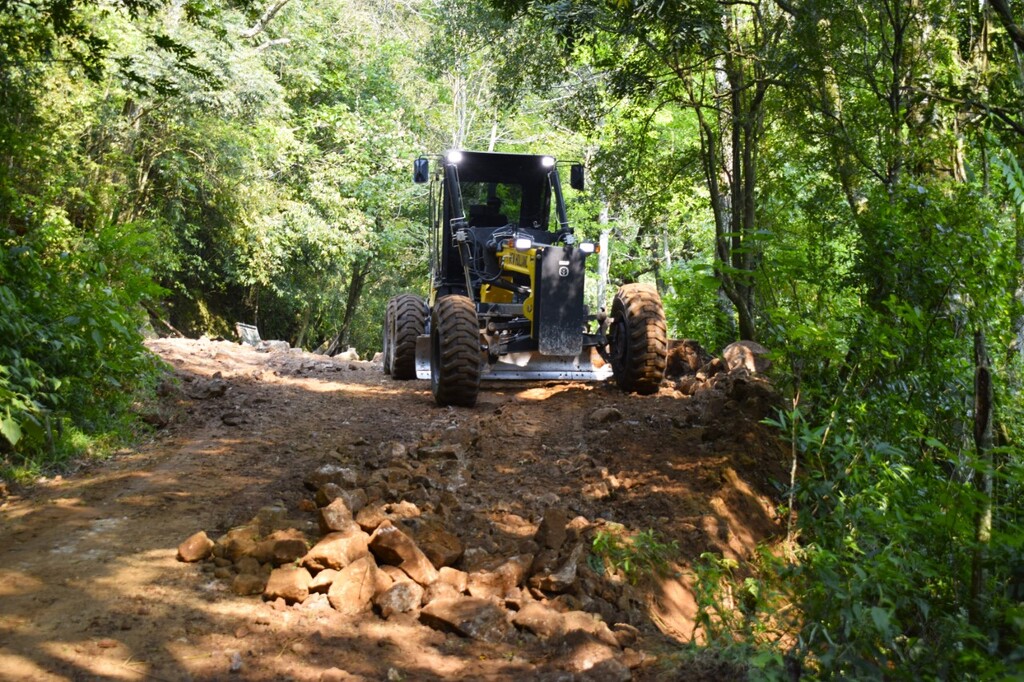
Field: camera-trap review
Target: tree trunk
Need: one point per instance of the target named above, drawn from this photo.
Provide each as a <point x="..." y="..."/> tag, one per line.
<point x="1018" y="316"/>
<point x="357" y="280"/>
<point x="983" y="409"/>
<point x="300" y="338"/>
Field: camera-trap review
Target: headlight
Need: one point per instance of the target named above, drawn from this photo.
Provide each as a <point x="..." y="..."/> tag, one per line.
<point x="588" y="247"/>
<point x="454" y="156"/>
<point x="523" y="243"/>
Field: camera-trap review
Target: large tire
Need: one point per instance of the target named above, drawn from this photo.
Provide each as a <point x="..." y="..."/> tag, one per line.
<point x="639" y="340"/>
<point x="456" y="356"/>
<point x="388" y="338"/>
<point x="408" y="318"/>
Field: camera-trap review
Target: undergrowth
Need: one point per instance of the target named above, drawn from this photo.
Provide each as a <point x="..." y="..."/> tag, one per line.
<point x="72" y="360"/>
<point x="631" y="555"/>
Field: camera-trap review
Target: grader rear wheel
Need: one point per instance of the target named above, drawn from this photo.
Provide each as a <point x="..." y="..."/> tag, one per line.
<point x="639" y="340"/>
<point x="389" y="342"/>
<point x="455" y="352"/>
<point x="407" y="314"/>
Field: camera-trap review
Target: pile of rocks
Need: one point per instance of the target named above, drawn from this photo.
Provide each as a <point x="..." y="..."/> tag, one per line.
<point x="373" y="556"/>
<point x="691" y="368"/>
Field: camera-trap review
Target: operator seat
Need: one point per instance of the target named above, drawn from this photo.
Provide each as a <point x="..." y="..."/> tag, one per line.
<point x="482" y="215"/>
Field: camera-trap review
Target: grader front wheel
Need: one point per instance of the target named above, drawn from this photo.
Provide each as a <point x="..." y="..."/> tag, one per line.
<point x="639" y="340"/>
<point x="455" y="352"/>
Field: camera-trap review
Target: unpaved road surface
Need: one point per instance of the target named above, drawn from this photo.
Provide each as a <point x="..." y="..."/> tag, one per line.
<point x="91" y="586"/>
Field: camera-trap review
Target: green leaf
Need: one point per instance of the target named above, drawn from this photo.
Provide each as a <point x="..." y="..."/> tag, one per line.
<point x="11" y="430"/>
<point x="880" y="617"/>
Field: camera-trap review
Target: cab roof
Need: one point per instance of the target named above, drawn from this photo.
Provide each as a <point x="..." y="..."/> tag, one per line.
<point x="501" y="167"/>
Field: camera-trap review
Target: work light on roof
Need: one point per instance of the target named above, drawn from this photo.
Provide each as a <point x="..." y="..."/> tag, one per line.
<point x="547" y="161"/>
<point x="454" y="156"/>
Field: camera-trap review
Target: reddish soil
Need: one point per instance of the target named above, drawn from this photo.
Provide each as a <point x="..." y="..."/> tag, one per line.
<point x="90" y="587"/>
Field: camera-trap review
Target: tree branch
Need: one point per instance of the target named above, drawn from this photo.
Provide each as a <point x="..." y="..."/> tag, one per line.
<point x="1002" y="8"/>
<point x="261" y="24"/>
<point x="999" y="112"/>
<point x="787" y="7"/>
<point x="273" y="43"/>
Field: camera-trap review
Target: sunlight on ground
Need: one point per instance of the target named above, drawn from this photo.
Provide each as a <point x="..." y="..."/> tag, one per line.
<point x="545" y="392"/>
<point x="108" y="665"/>
<point x="321" y="385"/>
<point x="24" y="666"/>
<point x="674" y="608"/>
<point x="16" y="582"/>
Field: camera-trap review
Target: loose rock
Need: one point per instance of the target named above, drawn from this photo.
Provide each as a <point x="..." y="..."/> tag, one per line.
<point x="502" y="580"/>
<point x="469" y="617"/>
<point x="748" y="355"/>
<point x="551" y="533"/>
<point x="245" y="584"/>
<point x="237" y="543"/>
<point x="440" y="546"/>
<point x="323" y="580"/>
<point x="354" y="587"/>
<point x="562" y="579"/>
<point x="604" y="415"/>
<point x="372" y="516"/>
<point x="290" y="583"/>
<point x="196" y="547"/>
<point x="336" y="517"/>
<point x="391" y="546"/>
<point x="541" y="620"/>
<point x="337" y="550"/>
<point x="281" y="547"/>
<point x="332" y="473"/>
<point x="399" y="598"/>
<point x="459" y="580"/>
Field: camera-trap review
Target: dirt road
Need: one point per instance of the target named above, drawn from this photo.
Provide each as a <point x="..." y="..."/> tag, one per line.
<point x="91" y="586"/>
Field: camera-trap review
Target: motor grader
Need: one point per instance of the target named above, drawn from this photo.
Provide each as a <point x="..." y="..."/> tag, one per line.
<point x="507" y="288"/>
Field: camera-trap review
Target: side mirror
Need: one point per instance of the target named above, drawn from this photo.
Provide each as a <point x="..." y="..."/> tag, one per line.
<point x="420" y="170"/>
<point x="576" y="176"/>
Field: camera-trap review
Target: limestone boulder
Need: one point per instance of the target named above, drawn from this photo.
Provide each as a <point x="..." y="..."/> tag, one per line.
<point x="543" y="621"/>
<point x="441" y="547"/>
<point x="196" y="547"/>
<point x="747" y="355"/>
<point x="551" y="533"/>
<point x="281" y="547"/>
<point x="392" y="546"/>
<point x="480" y="619"/>
<point x="401" y="597"/>
<point x="290" y="583"/>
<point x="354" y="587"/>
<point x="336" y="517"/>
<point x="337" y="550"/>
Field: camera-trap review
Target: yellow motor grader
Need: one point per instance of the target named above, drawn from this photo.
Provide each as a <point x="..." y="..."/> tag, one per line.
<point x="507" y="283"/>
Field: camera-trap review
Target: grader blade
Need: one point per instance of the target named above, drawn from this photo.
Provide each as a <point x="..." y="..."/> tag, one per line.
<point x="586" y="366"/>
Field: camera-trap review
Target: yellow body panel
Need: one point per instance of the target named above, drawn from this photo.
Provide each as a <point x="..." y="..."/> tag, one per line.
<point x="511" y="260"/>
<point x="514" y="260"/>
<point x="492" y="294"/>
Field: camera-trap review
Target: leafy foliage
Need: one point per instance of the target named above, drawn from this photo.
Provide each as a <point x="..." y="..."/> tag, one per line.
<point x="634" y="555"/>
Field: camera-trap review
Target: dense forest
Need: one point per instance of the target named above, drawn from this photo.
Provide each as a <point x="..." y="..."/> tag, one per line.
<point x="839" y="181"/>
